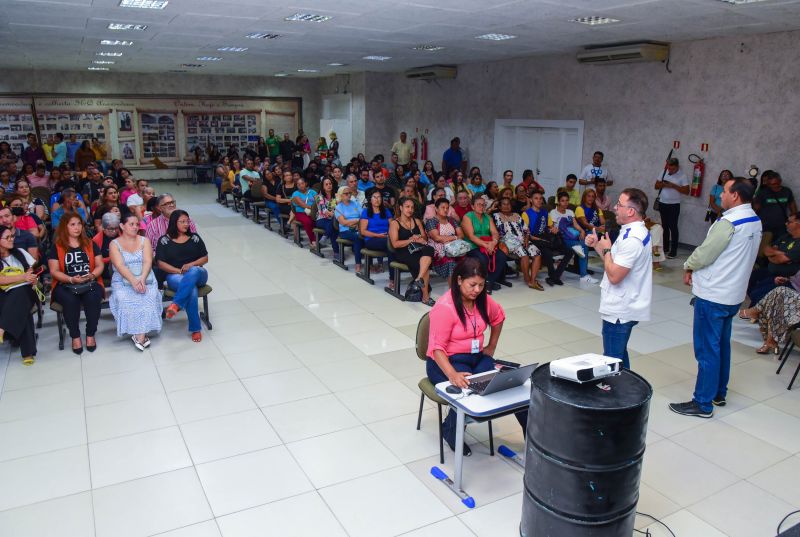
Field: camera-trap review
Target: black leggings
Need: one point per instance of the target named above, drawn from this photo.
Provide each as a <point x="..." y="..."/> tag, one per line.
<point x="669" y="221"/>
<point x="72" y="304"/>
<point x="16" y="319"/>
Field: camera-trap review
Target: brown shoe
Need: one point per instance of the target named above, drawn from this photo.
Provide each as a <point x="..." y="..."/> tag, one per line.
<point x="536" y="285"/>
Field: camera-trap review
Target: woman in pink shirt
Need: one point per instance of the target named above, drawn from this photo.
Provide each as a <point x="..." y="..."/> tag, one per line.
<point x="129" y="190"/>
<point x="456" y="345"/>
<point x="40" y="178"/>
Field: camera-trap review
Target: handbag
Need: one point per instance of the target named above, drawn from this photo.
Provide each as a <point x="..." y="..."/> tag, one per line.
<point x="413" y="292"/>
<point x="414" y="247"/>
<point x="491" y="264"/>
<point x="79" y="289"/>
<point x="457" y="248"/>
<point x="510" y="243"/>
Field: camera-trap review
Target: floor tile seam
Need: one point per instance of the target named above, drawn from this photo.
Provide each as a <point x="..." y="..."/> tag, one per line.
<point x="692" y="507"/>
<point x="47" y="452"/>
<point x="212" y="519"/>
<point x="795" y="505"/>
<point x="118" y="437"/>
<point x="88" y="457"/>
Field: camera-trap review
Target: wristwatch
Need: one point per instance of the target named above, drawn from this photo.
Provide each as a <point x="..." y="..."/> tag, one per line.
<point x="605" y="251"/>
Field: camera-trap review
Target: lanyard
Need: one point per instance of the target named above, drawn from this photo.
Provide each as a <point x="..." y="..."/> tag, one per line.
<point x="474" y="322"/>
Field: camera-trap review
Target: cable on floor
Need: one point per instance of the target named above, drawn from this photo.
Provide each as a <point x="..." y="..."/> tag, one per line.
<point x="780" y="524"/>
<point x="646" y="532"/>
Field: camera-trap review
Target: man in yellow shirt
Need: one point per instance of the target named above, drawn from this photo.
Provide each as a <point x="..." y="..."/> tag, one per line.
<point x="47" y="147"/>
<point x="403" y="150"/>
<point x="100" y="154"/>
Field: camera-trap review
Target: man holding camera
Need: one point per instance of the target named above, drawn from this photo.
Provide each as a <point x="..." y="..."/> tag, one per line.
<point x="627" y="287"/>
<point x="671" y="187"/>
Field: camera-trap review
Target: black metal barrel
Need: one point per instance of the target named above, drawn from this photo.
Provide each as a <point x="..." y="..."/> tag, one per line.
<point x="584" y="454"/>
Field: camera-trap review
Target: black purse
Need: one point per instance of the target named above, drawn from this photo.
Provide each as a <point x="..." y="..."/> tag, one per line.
<point x="79" y="289"/>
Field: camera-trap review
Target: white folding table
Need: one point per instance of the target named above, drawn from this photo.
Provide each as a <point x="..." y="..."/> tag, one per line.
<point x="481" y="407"/>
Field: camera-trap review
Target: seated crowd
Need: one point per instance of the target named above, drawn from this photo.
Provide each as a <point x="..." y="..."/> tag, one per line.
<point x="92" y="240"/>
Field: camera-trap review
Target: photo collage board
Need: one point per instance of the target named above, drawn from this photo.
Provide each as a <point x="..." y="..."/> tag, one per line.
<point x="222" y="129"/>
<point x="14" y="127"/>
<point x="140" y="130"/>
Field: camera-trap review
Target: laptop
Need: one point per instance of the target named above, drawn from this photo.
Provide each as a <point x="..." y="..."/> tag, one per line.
<point x="497" y="381"/>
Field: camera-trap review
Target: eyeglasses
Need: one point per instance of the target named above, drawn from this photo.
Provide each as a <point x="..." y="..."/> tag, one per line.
<point x="7" y="238"/>
<point x="618" y="204"/>
<point x="168" y="204"/>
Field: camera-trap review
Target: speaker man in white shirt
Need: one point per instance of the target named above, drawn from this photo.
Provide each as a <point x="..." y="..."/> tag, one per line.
<point x="594" y="171"/>
<point x="718" y="271"/>
<point x="627" y="286"/>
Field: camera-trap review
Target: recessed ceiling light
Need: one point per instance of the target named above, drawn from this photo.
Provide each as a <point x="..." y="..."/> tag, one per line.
<point x="111" y="54"/>
<point x="262" y="35"/>
<point x="103" y="62"/>
<point x="337" y="64"/>
<point x="232" y="49"/>
<point x="208" y="59"/>
<point x="495" y="37"/>
<point x="120" y="26"/>
<point x="308" y="70"/>
<point x="114" y="42"/>
<point x="281" y="74"/>
<point x="178" y="71"/>
<point x="144" y="4"/>
<point x="429" y="48"/>
<point x="594" y="21"/>
<point x="191" y="65"/>
<point x="308" y="17"/>
<point x="737" y="2"/>
<point x="377" y="58"/>
<point x="97" y="68"/>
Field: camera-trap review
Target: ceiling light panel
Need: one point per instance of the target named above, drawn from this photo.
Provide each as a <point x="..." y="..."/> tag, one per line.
<point x="429" y="48"/>
<point x="262" y="35"/>
<point x="232" y="49"/>
<point x="594" y="21"/>
<point x="377" y="58"/>
<point x="97" y="68"/>
<point x="192" y="65"/>
<point x="144" y="4"/>
<point x="740" y="2"/>
<point x="281" y="74"/>
<point x="116" y="43"/>
<point x="109" y="54"/>
<point x="121" y="26"/>
<point x="308" y="70"/>
<point x="208" y="59"/>
<point x="495" y="37"/>
<point x="337" y="64"/>
<point x="103" y="62"/>
<point x="308" y="17"/>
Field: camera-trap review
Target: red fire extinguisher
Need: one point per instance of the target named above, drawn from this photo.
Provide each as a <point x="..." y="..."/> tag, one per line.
<point x="414" y="148"/>
<point x="698" y="172"/>
<point x="424" y="148"/>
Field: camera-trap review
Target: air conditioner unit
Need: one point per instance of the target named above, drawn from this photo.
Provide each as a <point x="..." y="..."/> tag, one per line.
<point x="627" y="53"/>
<point x="431" y="72"/>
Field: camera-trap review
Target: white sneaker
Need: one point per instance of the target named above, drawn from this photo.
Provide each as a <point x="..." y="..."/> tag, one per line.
<point x="588" y="279"/>
<point x="578" y="251"/>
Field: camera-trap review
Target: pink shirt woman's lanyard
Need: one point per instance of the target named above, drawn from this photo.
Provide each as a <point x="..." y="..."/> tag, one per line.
<point x="475" y="346"/>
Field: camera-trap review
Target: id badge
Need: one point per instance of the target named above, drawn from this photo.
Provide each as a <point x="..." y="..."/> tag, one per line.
<point x="476" y="346"/>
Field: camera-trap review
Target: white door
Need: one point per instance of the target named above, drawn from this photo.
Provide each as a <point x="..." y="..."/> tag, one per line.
<point x="552" y="149"/>
<point x="336" y="117"/>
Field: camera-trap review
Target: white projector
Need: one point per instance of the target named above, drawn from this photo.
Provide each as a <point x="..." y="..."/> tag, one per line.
<point x="585" y="367"/>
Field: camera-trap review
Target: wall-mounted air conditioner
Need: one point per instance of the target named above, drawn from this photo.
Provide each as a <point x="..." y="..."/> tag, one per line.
<point x="625" y="53"/>
<point x="431" y="72"/>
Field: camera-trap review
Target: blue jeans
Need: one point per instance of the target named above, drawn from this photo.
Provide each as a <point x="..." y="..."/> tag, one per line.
<point x="330" y="232"/>
<point x="615" y="340"/>
<point x="472" y="363"/>
<point x="353" y="236"/>
<point x="712" y="350"/>
<point x="583" y="262"/>
<point x="185" y="287"/>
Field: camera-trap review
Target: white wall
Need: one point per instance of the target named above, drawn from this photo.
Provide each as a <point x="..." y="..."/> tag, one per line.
<point x="740" y="99"/>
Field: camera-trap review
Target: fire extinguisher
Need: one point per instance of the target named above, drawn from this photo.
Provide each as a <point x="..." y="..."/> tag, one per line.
<point x="424" y="148"/>
<point x="697" y="175"/>
<point x="414" y="148"/>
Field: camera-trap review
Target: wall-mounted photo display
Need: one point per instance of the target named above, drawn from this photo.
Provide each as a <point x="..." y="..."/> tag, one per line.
<point x="127" y="150"/>
<point x="158" y="135"/>
<point x="125" y="120"/>
<point x="221" y="130"/>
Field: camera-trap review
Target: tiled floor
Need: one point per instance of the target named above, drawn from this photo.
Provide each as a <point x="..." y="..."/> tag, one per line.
<point x="296" y="415"/>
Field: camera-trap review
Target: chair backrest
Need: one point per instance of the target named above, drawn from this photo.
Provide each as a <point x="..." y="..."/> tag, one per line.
<point x="389" y="245"/>
<point x="423" y="331"/>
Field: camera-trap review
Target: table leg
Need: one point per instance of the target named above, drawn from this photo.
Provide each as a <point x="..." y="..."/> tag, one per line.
<point x="455" y="486"/>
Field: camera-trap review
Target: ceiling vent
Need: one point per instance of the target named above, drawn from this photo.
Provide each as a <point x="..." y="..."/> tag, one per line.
<point x="625" y="53"/>
<point x="431" y="72"/>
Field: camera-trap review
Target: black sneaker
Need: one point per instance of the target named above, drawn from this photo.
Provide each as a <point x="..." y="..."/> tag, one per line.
<point x="719" y="401"/>
<point x="690" y="409"/>
<point x="558" y="282"/>
<point x="466" y="450"/>
<point x="549" y="282"/>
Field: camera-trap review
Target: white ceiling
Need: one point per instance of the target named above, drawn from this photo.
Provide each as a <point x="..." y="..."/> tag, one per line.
<point x="65" y="34"/>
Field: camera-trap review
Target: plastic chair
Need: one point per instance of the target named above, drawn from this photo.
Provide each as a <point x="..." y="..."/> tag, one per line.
<point x="202" y="293"/>
<point x="427" y="388"/>
<point x="794" y="339"/>
<point x="397" y="268"/>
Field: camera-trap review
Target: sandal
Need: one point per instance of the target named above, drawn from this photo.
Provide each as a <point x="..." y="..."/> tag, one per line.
<point x="197" y="337"/>
<point x="430" y="302"/>
<point x="28" y="360"/>
<point x="536" y="285"/>
<point x="766" y="348"/>
<point x="172" y="309"/>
